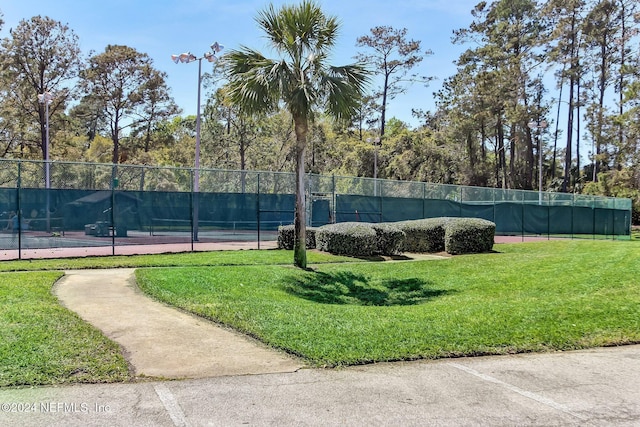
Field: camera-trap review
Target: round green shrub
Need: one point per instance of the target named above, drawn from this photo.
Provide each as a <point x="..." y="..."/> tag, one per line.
<point x="424" y="235"/>
<point x="286" y="237"/>
<point x="389" y="238"/>
<point x="347" y="238"/>
<point x="469" y="235"/>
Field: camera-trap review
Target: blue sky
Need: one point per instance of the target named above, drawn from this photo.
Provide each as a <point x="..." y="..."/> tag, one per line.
<point x="162" y="27"/>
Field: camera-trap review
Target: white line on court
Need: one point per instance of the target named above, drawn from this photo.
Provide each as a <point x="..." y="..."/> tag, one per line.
<point x="538" y="398"/>
<point x="171" y="405"/>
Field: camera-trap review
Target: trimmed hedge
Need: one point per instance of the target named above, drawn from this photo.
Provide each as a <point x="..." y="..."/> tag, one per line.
<point x="469" y="235"/>
<point x="286" y="237"/>
<point x="390" y="238"/>
<point x="453" y="235"/>
<point x="347" y="238"/>
<point x="424" y="235"/>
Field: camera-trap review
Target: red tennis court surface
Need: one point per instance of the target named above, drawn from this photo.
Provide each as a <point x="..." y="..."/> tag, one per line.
<point x="106" y="249"/>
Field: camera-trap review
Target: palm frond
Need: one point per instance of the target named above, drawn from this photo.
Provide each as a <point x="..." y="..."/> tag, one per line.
<point x="304" y="36"/>
<point x="253" y="82"/>
<point x="344" y="87"/>
<point x="299" y="30"/>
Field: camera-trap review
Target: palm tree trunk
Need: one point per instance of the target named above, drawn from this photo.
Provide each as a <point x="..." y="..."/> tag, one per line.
<point x="300" y="225"/>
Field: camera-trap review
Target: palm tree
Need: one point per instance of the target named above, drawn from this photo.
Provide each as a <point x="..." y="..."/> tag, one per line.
<point x="302" y="36"/>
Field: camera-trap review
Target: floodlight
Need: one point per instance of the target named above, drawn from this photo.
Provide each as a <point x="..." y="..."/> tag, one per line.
<point x="216" y="47"/>
<point x="187" y="57"/>
<point x="45" y="97"/>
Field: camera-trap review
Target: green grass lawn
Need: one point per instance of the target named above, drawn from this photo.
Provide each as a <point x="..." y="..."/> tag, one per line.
<point x="526" y="297"/>
<point x="555" y="295"/>
<point x="246" y="257"/>
<point x="42" y="342"/>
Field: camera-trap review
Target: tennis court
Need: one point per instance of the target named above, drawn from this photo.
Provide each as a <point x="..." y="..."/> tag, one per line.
<point x="105" y="209"/>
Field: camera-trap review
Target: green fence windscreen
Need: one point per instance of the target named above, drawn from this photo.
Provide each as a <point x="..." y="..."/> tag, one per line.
<point x="85" y="207"/>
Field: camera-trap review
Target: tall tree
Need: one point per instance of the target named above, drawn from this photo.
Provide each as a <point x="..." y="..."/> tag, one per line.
<point x="494" y="85"/>
<point x="628" y="29"/>
<point x="156" y="106"/>
<point x="89" y="117"/>
<point x="41" y="55"/>
<point x="275" y="148"/>
<point x="392" y="57"/>
<point x="240" y="131"/>
<point x="565" y="19"/>
<point x="118" y="78"/>
<point x="601" y="27"/>
<point x="234" y="132"/>
<point x="303" y="35"/>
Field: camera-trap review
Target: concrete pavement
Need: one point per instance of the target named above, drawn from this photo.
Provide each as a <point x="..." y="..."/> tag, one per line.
<point x="584" y="388"/>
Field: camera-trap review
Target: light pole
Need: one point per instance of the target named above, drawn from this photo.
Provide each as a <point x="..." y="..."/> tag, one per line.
<point x="46" y="98"/>
<point x="375" y="142"/>
<point x="542" y="124"/>
<point x="186" y="58"/>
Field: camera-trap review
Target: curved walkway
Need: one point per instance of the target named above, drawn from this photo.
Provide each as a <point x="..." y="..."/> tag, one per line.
<point x="161" y="341"/>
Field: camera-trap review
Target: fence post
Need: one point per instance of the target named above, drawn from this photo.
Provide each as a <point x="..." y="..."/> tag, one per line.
<point x="573" y="208"/>
<point x="593" y="220"/>
<point x="333" y="196"/>
<point x="258" y="209"/>
<point x="493" y="199"/>
<point x="19" y="209"/>
<point x="424" y="197"/>
<point x="48" y="196"/>
<point x="114" y="183"/>
<point x="522" y="201"/>
<point x="548" y="218"/>
<point x="380" y="204"/>
<point x="191" y="201"/>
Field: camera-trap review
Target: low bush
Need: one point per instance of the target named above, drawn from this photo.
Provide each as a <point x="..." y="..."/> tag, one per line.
<point x="424" y="235"/>
<point x="347" y="238"/>
<point x="469" y="235"/>
<point x="453" y="235"/>
<point x="389" y="238"/>
<point x="286" y="237"/>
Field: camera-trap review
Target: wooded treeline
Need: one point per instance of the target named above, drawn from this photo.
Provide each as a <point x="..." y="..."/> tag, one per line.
<point x="572" y="65"/>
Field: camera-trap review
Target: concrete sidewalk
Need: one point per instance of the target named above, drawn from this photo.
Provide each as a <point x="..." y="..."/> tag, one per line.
<point x="161" y="341"/>
<point x="586" y="388"/>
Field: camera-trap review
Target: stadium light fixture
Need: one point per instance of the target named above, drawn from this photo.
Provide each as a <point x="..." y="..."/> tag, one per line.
<point x="186" y="58"/>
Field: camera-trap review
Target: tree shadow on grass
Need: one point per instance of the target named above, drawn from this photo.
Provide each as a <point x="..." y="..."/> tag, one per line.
<point x="357" y="289"/>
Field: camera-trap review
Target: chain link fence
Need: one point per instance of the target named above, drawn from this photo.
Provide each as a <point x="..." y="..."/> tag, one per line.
<point x="103" y="208"/>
